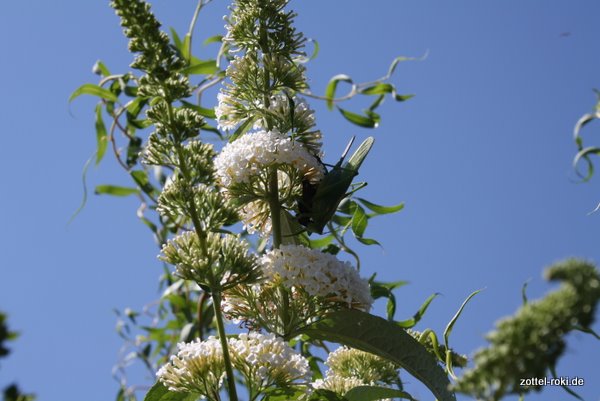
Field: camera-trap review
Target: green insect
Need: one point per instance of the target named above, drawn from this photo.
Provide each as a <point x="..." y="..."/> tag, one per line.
<point x="320" y="201"/>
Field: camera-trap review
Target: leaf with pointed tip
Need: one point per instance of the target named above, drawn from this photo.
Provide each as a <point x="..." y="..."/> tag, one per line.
<point x="360" y="120"/>
<point x="204" y="112"/>
<point x="373" y="334"/>
<point x="94" y="90"/>
<point x="409" y="323"/>
<point x="101" y="136"/>
<point x="115" y="190"/>
<point x="379" y="209"/>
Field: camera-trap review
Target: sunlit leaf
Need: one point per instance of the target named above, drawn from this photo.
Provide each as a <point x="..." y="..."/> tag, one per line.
<point x="379" y="209"/>
<point x="204" y="112"/>
<point x="115" y="190"/>
<point x="409" y="323"/>
<point x="158" y="392"/>
<point x="101" y="136"/>
<point x="373" y="334"/>
<point x="360" y="120"/>
<point x="213" y="39"/>
<point x="94" y="90"/>
<point x="332" y="87"/>
<point x="204" y="67"/>
<point x="378" y="89"/>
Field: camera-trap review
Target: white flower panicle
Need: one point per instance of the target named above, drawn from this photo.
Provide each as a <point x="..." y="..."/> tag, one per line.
<point x="338" y="384"/>
<point x="319" y="274"/>
<point x="369" y="368"/>
<point x="249" y="156"/>
<point x="197" y="367"/>
<point x="267" y="360"/>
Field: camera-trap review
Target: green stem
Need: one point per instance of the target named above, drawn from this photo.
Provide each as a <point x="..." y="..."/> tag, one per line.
<point x="275" y="207"/>
<point x="192" y="25"/>
<point x="216" y="296"/>
<point x="226" y="358"/>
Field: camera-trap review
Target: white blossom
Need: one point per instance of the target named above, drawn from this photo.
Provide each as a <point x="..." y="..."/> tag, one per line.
<point x="319" y="274"/>
<point x="251" y="154"/>
<point x="197" y="367"/>
<point x="338" y="384"/>
<point x="266" y="360"/>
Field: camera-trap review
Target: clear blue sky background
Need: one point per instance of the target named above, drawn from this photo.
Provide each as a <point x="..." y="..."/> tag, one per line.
<point x="481" y="156"/>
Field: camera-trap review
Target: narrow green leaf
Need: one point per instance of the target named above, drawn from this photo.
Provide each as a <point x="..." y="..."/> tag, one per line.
<point x="94" y="90"/>
<point x="376" y="335"/>
<point x="115" y="190"/>
<point x="136" y="105"/>
<point x="357" y="119"/>
<point x="378" y="89"/>
<point x="379" y="209"/>
<point x="100" y="69"/>
<point x="403" y="98"/>
<point x="213" y="39"/>
<point x="321" y="242"/>
<point x="374" y="393"/>
<point x="395" y="63"/>
<point x="141" y="178"/>
<point x="185" y="46"/>
<point x="204" y="67"/>
<point x="158" y="392"/>
<point x="291" y="230"/>
<point x="359" y="221"/>
<point x="241" y="130"/>
<point x="409" y="323"/>
<point x="332" y="87"/>
<point x="368" y="241"/>
<point x="101" y="136"/>
<point x="176" y="39"/>
<point x="208" y="113"/>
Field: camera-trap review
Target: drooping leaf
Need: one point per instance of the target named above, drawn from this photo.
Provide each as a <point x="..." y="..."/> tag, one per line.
<point x="379" y="209"/>
<point x="376" y="335"/>
<point x="94" y="90"/>
<point x="332" y="87"/>
<point x="241" y="130"/>
<point x="359" y="221"/>
<point x="101" y="136"/>
<point x="115" y="190"/>
<point x="213" y="39"/>
<point x="141" y="178"/>
<point x="360" y="120"/>
<point x="100" y="69"/>
<point x="374" y="393"/>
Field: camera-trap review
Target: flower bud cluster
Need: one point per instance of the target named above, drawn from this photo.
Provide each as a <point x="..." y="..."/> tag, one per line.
<point x="263" y="359"/>
<point x="349" y="368"/>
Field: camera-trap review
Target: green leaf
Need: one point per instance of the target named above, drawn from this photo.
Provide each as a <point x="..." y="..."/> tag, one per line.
<point x="409" y="323"/>
<point x="241" y="130"/>
<point x="100" y="69"/>
<point x="360" y="120"/>
<point x="203" y="67"/>
<point x="376" y="335"/>
<point x="395" y="63"/>
<point x="158" y="392"/>
<point x="115" y="190"/>
<point x="176" y="39"/>
<point x="101" y="136"/>
<point x="359" y="221"/>
<point x="403" y="98"/>
<point x="94" y="90"/>
<point x="368" y="241"/>
<point x="374" y="393"/>
<point x="208" y="113"/>
<point x="291" y="230"/>
<point x="379" y="209"/>
<point x="378" y="89"/>
<point x="213" y="39"/>
<point x="141" y="178"/>
<point x="332" y="87"/>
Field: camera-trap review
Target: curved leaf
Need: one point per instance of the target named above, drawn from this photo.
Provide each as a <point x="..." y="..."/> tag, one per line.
<point x="379" y="209"/>
<point x="101" y="136"/>
<point x="203" y="67"/>
<point x="360" y="120"/>
<point x="407" y="324"/>
<point x="332" y="86"/>
<point x="376" y="335"/>
<point x="94" y="90"/>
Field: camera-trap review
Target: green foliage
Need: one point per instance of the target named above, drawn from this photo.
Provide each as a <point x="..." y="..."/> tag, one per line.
<point x="12" y="391"/>
<point x="530" y="343"/>
<point x="376" y="335"/>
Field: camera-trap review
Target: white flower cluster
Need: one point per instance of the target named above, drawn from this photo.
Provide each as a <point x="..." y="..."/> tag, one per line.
<point x="349" y="368"/>
<point x="227" y="116"/>
<point x="266" y="359"/>
<point x="319" y="274"/>
<point x="197" y="367"/>
<point x="251" y="154"/>
<point x="338" y="384"/>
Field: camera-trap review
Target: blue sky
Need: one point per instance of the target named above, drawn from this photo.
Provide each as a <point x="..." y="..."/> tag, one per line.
<point x="481" y="157"/>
